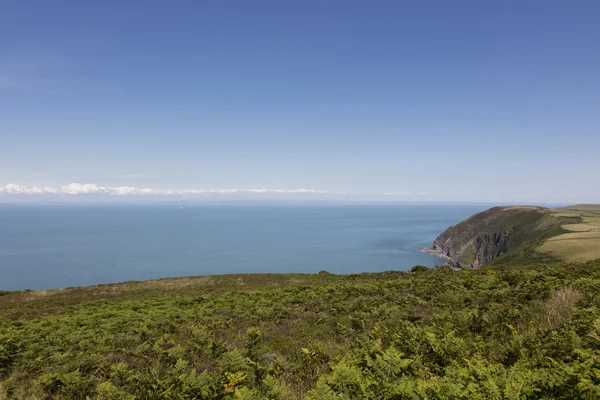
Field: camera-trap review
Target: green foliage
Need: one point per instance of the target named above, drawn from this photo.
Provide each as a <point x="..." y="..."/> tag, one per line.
<point x="494" y="333"/>
<point x="419" y="268"/>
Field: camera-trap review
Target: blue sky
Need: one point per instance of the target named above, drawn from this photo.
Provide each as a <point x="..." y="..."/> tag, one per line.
<point x="402" y="100"/>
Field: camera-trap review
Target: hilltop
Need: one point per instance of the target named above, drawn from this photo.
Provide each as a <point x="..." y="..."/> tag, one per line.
<point x="523" y="234"/>
<point x="531" y="332"/>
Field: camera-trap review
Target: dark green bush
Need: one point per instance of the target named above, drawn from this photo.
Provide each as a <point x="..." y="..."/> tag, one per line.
<point x="419" y="268"/>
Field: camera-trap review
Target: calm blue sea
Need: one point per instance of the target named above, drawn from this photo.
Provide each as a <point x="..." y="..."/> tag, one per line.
<point x="60" y="246"/>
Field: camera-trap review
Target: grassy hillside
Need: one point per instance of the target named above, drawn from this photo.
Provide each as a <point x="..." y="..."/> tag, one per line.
<point x="581" y="242"/>
<point x="524" y="234"/>
<point x="527" y="332"/>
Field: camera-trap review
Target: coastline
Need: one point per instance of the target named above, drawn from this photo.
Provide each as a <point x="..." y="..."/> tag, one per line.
<point x="437" y="253"/>
<point x="440" y="254"/>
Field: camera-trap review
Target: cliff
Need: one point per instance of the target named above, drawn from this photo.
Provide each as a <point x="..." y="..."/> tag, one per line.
<point x="502" y="234"/>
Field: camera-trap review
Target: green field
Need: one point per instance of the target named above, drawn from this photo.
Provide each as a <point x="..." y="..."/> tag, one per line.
<point x="584" y="243"/>
<point x="494" y="333"/>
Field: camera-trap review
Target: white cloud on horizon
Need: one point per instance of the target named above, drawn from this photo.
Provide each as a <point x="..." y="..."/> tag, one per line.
<point x="13" y="188"/>
<point x="93" y="189"/>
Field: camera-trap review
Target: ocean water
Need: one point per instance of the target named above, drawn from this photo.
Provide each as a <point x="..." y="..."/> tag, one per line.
<point x="56" y="246"/>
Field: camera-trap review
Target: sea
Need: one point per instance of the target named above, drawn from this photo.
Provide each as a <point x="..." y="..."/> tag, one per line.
<point x="58" y="246"/>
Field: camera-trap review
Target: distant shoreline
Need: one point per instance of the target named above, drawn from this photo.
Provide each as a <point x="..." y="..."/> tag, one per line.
<point x="437" y="253"/>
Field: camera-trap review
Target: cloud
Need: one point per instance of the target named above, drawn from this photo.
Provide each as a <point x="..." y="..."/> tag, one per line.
<point x="18" y="189"/>
<point x="400" y="194"/>
<point x="93" y="189"/>
<point x="89" y="188"/>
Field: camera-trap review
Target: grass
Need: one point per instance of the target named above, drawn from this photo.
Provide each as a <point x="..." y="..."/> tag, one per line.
<point x="573" y="248"/>
<point x="583" y="227"/>
<point x="576" y="235"/>
<point x="498" y="332"/>
<point x="193" y="285"/>
<point x="584" y="243"/>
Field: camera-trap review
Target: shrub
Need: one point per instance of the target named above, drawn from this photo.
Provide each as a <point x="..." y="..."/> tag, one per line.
<point x="419" y="268"/>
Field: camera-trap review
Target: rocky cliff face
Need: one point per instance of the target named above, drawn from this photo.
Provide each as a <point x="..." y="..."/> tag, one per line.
<point x="486" y="248"/>
<point x="489" y="246"/>
<point x="443" y="244"/>
<point x="469" y="245"/>
<point x="487" y="236"/>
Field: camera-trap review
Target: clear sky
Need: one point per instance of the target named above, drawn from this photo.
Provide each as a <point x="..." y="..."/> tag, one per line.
<point x="415" y="100"/>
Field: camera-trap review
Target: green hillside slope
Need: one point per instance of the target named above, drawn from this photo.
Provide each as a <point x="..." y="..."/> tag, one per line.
<point x="491" y="333"/>
<point x="524" y="234"/>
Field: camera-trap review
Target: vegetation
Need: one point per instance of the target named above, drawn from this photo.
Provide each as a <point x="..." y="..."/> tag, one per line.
<point x="496" y="332"/>
<point x="581" y="242"/>
<point x="518" y="235"/>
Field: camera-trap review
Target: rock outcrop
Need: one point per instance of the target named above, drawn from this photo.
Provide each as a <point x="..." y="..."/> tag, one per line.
<point x="487" y="236"/>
